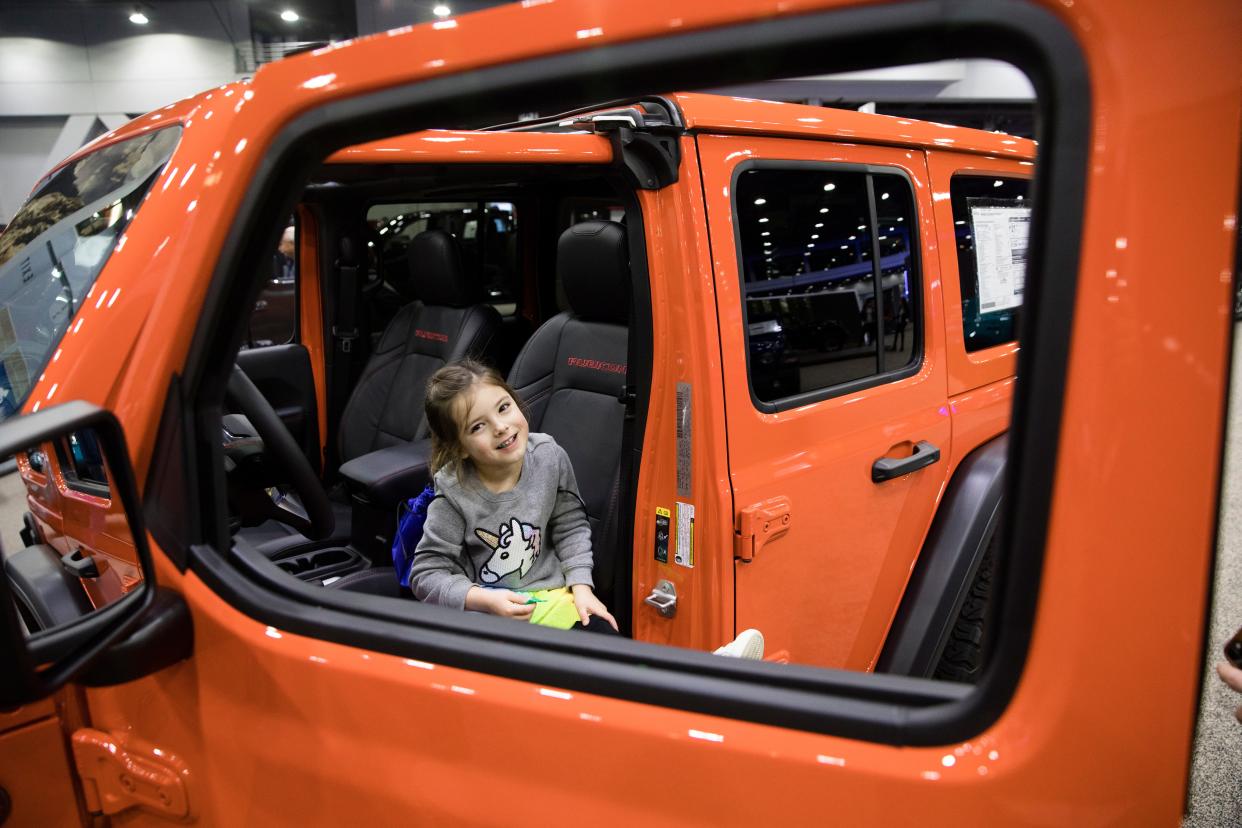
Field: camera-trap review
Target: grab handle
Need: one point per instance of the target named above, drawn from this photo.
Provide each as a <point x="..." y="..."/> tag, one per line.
<point x="886" y="468"/>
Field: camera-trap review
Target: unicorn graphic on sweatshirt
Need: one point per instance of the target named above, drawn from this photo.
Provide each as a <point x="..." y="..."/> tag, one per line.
<point x="514" y="550"/>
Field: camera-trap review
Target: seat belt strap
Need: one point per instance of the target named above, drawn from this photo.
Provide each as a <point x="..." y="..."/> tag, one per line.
<point x="344" y="333"/>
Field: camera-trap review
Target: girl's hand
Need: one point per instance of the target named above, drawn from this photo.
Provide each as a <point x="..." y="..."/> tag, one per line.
<point x="587" y="605"/>
<point x="502" y="602"/>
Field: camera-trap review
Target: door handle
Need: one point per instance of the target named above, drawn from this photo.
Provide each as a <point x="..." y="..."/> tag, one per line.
<point x="80" y="564"/>
<point x="886" y="468"/>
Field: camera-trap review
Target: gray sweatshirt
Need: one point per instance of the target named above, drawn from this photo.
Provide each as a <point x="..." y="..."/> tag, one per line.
<point x="534" y="536"/>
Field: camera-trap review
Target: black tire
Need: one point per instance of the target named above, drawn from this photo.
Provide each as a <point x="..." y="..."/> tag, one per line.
<point x="963" y="658"/>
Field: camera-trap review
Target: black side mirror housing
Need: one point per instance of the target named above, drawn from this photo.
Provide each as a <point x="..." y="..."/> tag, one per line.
<point x="39" y="662"/>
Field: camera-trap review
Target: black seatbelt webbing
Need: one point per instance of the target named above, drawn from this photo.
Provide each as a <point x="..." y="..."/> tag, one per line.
<point x="344" y="333"/>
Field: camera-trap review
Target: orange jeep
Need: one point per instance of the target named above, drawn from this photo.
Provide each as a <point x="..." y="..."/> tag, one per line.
<point x="780" y="346"/>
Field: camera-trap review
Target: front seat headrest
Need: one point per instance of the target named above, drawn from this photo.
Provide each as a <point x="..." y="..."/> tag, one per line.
<point x="593" y="262"/>
<point x="437" y="273"/>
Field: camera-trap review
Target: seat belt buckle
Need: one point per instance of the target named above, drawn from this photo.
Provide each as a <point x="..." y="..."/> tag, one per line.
<point x="346" y="338"/>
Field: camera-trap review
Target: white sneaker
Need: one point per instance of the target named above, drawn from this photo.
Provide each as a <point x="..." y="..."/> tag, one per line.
<point x="747" y="645"/>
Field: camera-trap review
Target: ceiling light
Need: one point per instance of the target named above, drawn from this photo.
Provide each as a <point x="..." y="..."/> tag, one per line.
<point x="441" y="10"/>
<point x="765" y="233"/>
<point x="821" y="224"/>
<point x="289" y="16"/>
<point x="815" y="235"/>
<point x="829" y="187"/>
<point x="138" y="18"/>
<point x="759" y="202"/>
<point x="883" y="196"/>
<point x="823" y="209"/>
<point x="763" y="220"/>
<point x="997" y="183"/>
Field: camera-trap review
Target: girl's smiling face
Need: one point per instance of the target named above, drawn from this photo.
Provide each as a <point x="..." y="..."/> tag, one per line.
<point x="492" y="430"/>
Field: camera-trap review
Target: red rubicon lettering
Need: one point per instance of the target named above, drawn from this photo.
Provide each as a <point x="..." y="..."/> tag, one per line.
<point x="434" y="336"/>
<point x="596" y="365"/>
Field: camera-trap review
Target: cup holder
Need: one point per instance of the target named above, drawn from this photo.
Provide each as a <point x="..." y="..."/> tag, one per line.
<point x="322" y="563"/>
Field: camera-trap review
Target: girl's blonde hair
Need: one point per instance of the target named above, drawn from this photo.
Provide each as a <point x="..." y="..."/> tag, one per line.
<point x="443" y="389"/>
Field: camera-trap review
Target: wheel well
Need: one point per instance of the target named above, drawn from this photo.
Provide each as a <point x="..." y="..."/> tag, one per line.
<point x="967" y="519"/>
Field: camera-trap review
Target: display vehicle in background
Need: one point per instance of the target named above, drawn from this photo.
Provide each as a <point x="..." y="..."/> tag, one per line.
<point x="864" y="383"/>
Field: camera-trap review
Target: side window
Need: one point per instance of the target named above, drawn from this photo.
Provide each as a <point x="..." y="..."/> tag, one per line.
<point x="82" y="463"/>
<point x="991" y="220"/>
<point x="274" y="320"/>
<point x="830" y="277"/>
<point x="486" y="230"/>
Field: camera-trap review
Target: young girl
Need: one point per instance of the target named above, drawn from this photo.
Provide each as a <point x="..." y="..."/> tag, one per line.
<point x="507" y="532"/>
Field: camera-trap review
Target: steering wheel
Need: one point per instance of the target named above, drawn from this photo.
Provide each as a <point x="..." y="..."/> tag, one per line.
<point x="319" y="521"/>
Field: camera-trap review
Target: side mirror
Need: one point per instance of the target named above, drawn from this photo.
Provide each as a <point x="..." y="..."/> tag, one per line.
<point x="85" y="576"/>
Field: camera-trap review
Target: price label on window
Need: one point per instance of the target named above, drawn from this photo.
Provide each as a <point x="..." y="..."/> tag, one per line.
<point x="1001" y="234"/>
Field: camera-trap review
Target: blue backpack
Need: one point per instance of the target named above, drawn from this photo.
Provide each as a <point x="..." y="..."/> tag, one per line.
<point x="412" y="516"/>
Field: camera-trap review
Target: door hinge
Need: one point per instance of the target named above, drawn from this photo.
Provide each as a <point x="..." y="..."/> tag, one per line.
<point x="759" y="523"/>
<point x="119" y="771"/>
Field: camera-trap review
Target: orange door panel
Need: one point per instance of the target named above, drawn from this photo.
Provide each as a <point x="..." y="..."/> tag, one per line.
<point x="34" y="769"/>
<point x="825" y="590"/>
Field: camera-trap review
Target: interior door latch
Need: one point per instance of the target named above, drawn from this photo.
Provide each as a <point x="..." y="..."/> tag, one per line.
<point x="759" y="523"/>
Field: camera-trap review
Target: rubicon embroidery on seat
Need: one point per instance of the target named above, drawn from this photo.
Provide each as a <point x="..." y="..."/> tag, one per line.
<point x="596" y="365"/>
<point x="516" y="548"/>
<point x="434" y="336"/>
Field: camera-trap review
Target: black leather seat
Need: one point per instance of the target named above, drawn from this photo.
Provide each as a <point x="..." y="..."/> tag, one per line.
<point x="448" y="321"/>
<point x="571" y="374"/>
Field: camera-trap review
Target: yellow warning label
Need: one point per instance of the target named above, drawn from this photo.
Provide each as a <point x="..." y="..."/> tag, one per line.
<point x="662" y="528"/>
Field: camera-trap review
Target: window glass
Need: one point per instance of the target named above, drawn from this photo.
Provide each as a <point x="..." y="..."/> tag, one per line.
<point x="486" y="231"/>
<point x="814" y="316"/>
<point x="82" y="463"/>
<point x="991" y="219"/>
<point x="895" y="218"/>
<point x="57" y="245"/>
<point x="274" y="320"/>
<point x="581" y="210"/>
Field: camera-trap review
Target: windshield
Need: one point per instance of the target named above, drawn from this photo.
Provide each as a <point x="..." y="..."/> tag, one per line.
<point x="54" y="248"/>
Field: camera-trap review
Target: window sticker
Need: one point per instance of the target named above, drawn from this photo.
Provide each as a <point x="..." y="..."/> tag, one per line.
<point x="663" y="519"/>
<point x="1001" y="233"/>
<point x="685" y="535"/>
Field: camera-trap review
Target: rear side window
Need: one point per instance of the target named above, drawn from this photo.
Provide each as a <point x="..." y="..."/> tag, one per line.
<point x="991" y="221"/>
<point x="830" y="278"/>
<point x="57" y="245"/>
<point x="486" y="231"/>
